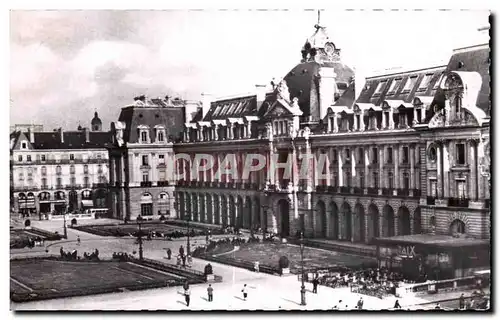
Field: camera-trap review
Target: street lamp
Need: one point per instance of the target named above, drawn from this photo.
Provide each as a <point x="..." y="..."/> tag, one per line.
<point x="188" y="245"/>
<point x="65" y="230"/>
<point x="139" y="239"/>
<point x="302" y="288"/>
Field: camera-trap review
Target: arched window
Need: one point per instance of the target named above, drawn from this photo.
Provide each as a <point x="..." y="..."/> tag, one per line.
<point x="146" y="204"/>
<point x="375" y="180"/>
<point x="164" y="204"/>
<point x="457" y="226"/>
<point x="85" y="169"/>
<point x="161" y="137"/>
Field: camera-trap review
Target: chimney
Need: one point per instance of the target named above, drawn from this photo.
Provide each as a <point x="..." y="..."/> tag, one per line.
<point x="87" y="134"/>
<point x="260" y="90"/>
<point x="206" y="101"/>
<point x="31" y="133"/>
<point x="61" y="133"/>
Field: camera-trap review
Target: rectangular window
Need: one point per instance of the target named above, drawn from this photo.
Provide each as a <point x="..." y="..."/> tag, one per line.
<point x="160" y="136"/>
<point x="44" y="183"/>
<point x="394" y="86"/>
<point x="380" y="87"/>
<point x="59" y="182"/>
<point x="71" y="156"/>
<point x="390" y="179"/>
<point x="375" y="180"/>
<point x="425" y="81"/>
<point x="347" y="154"/>
<point x="161" y="158"/>
<point x="86" y="181"/>
<point x="43" y="157"/>
<point x="406" y="155"/>
<point x="144" y="136"/>
<point x="460" y="153"/>
<point x="374" y="155"/>
<point x="145" y="177"/>
<point x="28" y="158"/>
<point x="20" y="158"/>
<point x="335" y="158"/>
<point x="24" y="145"/>
<point x="410" y="83"/>
<point x="276" y="127"/>
<point x="162" y="175"/>
<point x="145" y="161"/>
<point x="146" y="209"/>
<point x="389" y="155"/>
<point x="433" y="185"/>
<point x="361" y="180"/>
<point x="348" y="178"/>
<point x="72" y="181"/>
<point x="361" y="156"/>
<point x="461" y="189"/>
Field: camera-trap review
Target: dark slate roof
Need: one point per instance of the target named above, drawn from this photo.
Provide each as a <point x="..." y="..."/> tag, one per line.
<point x="347" y="98"/>
<point x="368" y="94"/>
<point x="473" y="60"/>
<point x="237" y="107"/>
<point x="72" y="140"/>
<point x="302" y="79"/>
<point x="173" y="118"/>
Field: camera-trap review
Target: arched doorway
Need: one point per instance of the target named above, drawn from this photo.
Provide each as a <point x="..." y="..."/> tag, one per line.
<point x="457" y="227"/>
<point x="284" y="218"/>
<point x="73" y="201"/>
<point x="210" y="212"/>
<point x="404" y="221"/>
<point x="334" y="221"/>
<point x="196" y="212"/>
<point x="388" y="225"/>
<point x="44" y="200"/>
<point x="163" y="204"/>
<point x="373" y="222"/>
<point x="239" y="217"/>
<point x="202" y="207"/>
<point x="347" y="217"/>
<point x="247" y="214"/>
<point x="359" y="223"/>
<point x="182" y="205"/>
<point x="223" y="204"/>
<point x="60" y="202"/>
<point x="232" y="212"/>
<point x="417" y="221"/>
<point x="146" y="205"/>
<point x="320" y="227"/>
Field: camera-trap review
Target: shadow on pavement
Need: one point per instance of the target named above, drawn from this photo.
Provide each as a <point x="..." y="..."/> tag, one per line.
<point x="294" y="302"/>
<point x="240" y="298"/>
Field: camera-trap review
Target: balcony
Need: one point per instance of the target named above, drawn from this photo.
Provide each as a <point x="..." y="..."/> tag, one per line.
<point x="372" y="191"/>
<point x="345" y="189"/>
<point x="146" y="184"/>
<point x="387" y="191"/>
<point x="358" y="190"/>
<point x="162" y="183"/>
<point x="403" y="192"/>
<point x="458" y="202"/>
<point x="431" y="200"/>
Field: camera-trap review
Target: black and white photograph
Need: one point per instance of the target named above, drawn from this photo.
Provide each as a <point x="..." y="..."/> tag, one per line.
<point x="251" y="159"/>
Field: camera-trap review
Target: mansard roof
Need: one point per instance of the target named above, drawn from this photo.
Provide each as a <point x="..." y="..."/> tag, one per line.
<point x="236" y="107"/>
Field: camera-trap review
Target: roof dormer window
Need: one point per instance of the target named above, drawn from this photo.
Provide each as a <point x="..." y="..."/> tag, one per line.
<point x="410" y="83"/>
<point x="143" y="134"/>
<point x="425" y="82"/>
<point x="24" y="145"/>
<point x="380" y="87"/>
<point x="394" y="86"/>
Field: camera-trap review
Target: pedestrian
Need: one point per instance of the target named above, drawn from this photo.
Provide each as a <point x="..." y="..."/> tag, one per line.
<point x="187" y="297"/>
<point x="169" y="253"/>
<point x="181" y="251"/>
<point x="360" y="303"/>
<point x="78" y="241"/>
<point x="397" y="305"/>
<point x="461" y="302"/>
<point x="315" y="285"/>
<point x="245" y="292"/>
<point x="210" y="292"/>
<point x="437" y="306"/>
<point x="183" y="261"/>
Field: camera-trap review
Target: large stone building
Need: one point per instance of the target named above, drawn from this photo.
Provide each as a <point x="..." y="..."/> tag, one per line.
<point x="58" y="171"/>
<point x="407" y="154"/>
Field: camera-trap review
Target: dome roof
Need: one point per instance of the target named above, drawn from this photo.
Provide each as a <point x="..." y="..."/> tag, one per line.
<point x="96" y="120"/>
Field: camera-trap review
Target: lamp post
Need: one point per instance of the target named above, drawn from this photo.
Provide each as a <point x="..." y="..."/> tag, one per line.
<point x="139" y="239"/>
<point x="302" y="287"/>
<point x="188" y="245"/>
<point x="65" y="230"/>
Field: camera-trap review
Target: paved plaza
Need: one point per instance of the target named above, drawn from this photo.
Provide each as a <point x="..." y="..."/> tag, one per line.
<point x="266" y="292"/>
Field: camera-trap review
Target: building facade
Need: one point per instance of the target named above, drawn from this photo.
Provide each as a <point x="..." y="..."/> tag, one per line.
<point x="408" y="154"/>
<point x="56" y="172"/>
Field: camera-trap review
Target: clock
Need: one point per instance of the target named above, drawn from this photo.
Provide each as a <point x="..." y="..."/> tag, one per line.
<point x="329" y="48"/>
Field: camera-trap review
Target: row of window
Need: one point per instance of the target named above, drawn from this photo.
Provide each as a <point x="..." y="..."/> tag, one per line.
<point x="373" y="155"/>
<point x="409" y="85"/>
<point x="375" y="178"/>
<point x="460" y="153"/>
<point x="144" y="135"/>
<point x="229" y="108"/>
<point x="72" y="181"/>
<point x="43" y="157"/>
<point x="207" y="134"/>
<point x="145" y="159"/>
<point x="460" y="185"/>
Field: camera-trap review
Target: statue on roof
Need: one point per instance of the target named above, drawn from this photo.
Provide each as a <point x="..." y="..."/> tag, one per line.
<point x="283" y="90"/>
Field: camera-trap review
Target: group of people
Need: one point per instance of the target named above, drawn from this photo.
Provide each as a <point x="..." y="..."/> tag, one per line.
<point x="38" y="241"/>
<point x="121" y="256"/>
<point x="94" y="256"/>
<point x="67" y="255"/>
<point x="210" y="293"/>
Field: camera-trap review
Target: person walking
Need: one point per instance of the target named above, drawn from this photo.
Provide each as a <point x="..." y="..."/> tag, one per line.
<point x="187" y="296"/>
<point x="315" y="285"/>
<point x="169" y="254"/>
<point x="360" y="303"/>
<point x="210" y="292"/>
<point x="181" y="251"/>
<point x="397" y="305"/>
<point x="461" y="302"/>
<point x="78" y="241"/>
<point x="245" y="292"/>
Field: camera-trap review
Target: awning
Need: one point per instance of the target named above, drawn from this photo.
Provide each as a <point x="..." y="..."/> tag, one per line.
<point x="87" y="203"/>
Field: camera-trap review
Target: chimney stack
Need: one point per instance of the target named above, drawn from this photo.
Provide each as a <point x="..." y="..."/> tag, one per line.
<point x="206" y="102"/>
<point x="31" y="133"/>
<point x="87" y="134"/>
<point x="61" y="133"/>
<point x="260" y="90"/>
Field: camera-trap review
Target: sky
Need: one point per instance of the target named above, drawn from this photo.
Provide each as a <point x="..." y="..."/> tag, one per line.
<point x="64" y="65"/>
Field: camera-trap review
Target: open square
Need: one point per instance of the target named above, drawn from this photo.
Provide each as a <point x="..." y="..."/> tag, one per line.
<point x="120" y="230"/>
<point x="50" y="278"/>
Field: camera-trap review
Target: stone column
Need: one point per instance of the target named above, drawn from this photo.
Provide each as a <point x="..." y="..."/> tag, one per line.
<point x="356" y="123"/>
<point x="473" y="170"/>
<point x="327" y="170"/>
<point x="381" y="224"/>
<point x="446" y="169"/>
<point x="381" y="161"/>
<point x="78" y="198"/>
<point x="412" y="166"/>
<point x="353" y="168"/>
<point x="335" y="123"/>
<point x="341" y="172"/>
<point x="237" y="212"/>
<point x="391" y="118"/>
<point x="439" y="172"/>
<point x="415" y="114"/>
<point x="396" y="224"/>
<point x="112" y="171"/>
<point x="122" y="169"/>
<point x="367" y="162"/>
<point x="412" y="225"/>
<point x="270" y="164"/>
<point x="310" y="166"/>
<point x="366" y="228"/>
<point x="397" y="176"/>
<point x="230" y="131"/>
<point x="249" y="130"/>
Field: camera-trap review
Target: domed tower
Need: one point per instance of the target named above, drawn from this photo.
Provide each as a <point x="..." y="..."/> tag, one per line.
<point x="320" y="78"/>
<point x="96" y="123"/>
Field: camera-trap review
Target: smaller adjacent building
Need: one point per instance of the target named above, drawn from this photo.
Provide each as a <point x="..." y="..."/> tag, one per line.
<point x="56" y="172"/>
